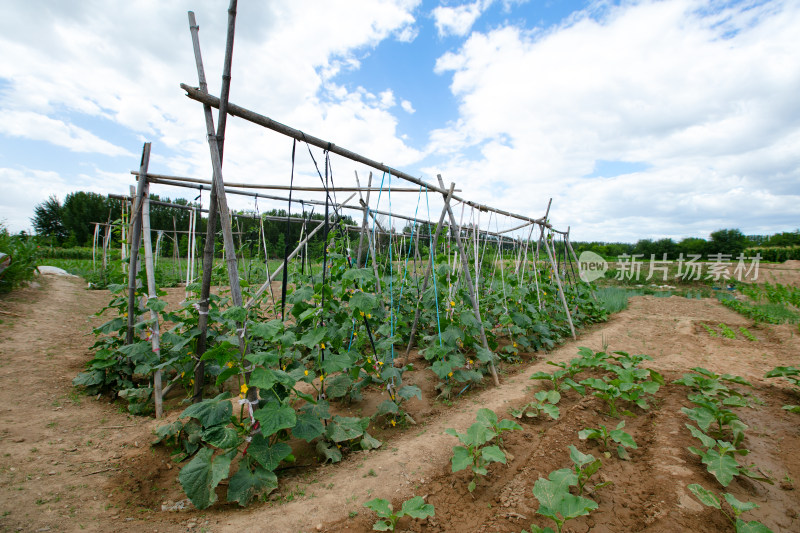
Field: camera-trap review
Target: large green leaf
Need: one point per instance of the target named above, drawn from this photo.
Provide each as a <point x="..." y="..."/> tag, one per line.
<point x="210" y="412"/>
<point x="387" y="407"/>
<point x="338" y="386"/>
<point x="336" y="362"/>
<point x="477" y="435"/>
<point x="369" y="442"/>
<point x="308" y="427"/>
<point x="739" y="507"/>
<point x="379" y="506"/>
<point x="200" y="477"/>
<point x="703" y="416"/>
<point x="246" y="484"/>
<point x="274" y="417"/>
<point x="493" y="454"/>
<point x="268" y="456"/>
<point x="753" y="526"/>
<point x="313" y="337"/>
<point x="342" y="428"/>
<point x="409" y="391"/>
<point x="706" y="497"/>
<point x="263" y="378"/>
<point x="222" y="437"/>
<point x="417" y="508"/>
<point x="487" y="417"/>
<point x="362" y="301"/>
<point x="723" y="467"/>
<point x="572" y="506"/>
<point x="267" y="331"/>
<point x="461" y="458"/>
<point x="330" y="451"/>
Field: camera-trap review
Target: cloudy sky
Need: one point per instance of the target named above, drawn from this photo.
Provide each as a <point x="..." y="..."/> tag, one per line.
<point x="641" y="119"/>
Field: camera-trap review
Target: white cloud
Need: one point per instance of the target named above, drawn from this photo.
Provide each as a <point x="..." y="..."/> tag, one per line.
<point x="42" y="128"/>
<point x="702" y="98"/>
<point x="122" y="64"/>
<point x="407" y="107"/>
<point x="458" y="20"/>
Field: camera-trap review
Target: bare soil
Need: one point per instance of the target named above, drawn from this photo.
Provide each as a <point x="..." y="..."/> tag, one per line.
<point x="70" y="462"/>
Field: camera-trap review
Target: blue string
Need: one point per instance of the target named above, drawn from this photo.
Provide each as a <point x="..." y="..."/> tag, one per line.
<point x="391" y="271"/>
<point x="433" y="268"/>
<point x="373" y="218"/>
<point x="410" y="243"/>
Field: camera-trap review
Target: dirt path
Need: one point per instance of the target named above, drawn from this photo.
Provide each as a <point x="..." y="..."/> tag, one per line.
<point x="73" y="463"/>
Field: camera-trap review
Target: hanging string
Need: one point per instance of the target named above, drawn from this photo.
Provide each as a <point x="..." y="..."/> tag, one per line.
<point x="286" y="240"/>
<point x="433" y="269"/>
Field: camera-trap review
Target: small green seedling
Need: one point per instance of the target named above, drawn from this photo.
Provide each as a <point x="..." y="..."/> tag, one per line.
<point x="726" y="331"/>
<point x="585" y="466"/>
<point x="546" y="401"/>
<point x="488" y="419"/>
<point x="415" y="508"/>
<point x="601" y="434"/>
<point x="475" y="453"/>
<point x="719" y="458"/>
<point x="793" y="375"/>
<point x="557" y="503"/>
<point x="710" y="410"/>
<point x="709" y="499"/>
<point x="711" y="331"/>
<point x="747" y="335"/>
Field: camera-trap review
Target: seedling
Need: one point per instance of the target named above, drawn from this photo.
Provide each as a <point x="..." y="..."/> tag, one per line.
<point x="711" y="331"/>
<point x="557" y="503"/>
<point x="415" y="508"/>
<point x="475" y="453"/>
<point x="727" y="332"/>
<point x="747" y="335"/>
<point x="719" y="458"/>
<point x="624" y="439"/>
<point x="709" y="499"/>
<point x="545" y="402"/>
<point x="793" y="375"/>
<point x="488" y="418"/>
<point x="585" y="466"/>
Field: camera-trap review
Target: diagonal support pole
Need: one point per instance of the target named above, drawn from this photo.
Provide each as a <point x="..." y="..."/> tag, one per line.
<point x="456" y="231"/>
<point x="428" y="270"/>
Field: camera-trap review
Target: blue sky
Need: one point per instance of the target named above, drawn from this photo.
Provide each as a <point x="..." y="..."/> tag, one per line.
<point x="641" y="119"/>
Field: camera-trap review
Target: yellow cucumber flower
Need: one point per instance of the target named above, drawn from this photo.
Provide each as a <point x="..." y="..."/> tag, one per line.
<point x="243" y="389"/>
<point x="306" y="372"/>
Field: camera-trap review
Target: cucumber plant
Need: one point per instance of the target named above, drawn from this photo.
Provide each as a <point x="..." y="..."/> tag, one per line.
<point x="415" y="508"/>
<point x="545" y="402"/>
<point x="557" y="503"/>
<point x="603" y="435"/>
<point x="792" y="374"/>
<point x="710" y="499"/>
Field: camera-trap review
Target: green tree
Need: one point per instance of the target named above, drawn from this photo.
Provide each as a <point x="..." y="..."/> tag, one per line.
<point x="80" y="210"/>
<point x="47" y="220"/>
<point x="727" y="241"/>
<point x="692" y="245"/>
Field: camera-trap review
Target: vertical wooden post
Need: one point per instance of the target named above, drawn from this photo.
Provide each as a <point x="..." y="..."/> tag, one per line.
<point x="218" y="198"/>
<point x="536" y="257"/>
<point x="428" y="269"/>
<point x="456" y="231"/>
<point x="560" y="289"/>
<point x="364" y="205"/>
<point x="136" y="237"/>
<point x="149" y="266"/>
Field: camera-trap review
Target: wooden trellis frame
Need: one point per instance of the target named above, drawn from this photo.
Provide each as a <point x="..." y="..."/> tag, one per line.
<point x="219" y="212"/>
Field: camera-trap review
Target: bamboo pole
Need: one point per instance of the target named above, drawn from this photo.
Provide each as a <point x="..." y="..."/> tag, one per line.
<point x="428" y="269"/>
<point x="304" y="188"/>
<point x="261" y="120"/>
<point x="267" y="283"/>
<point x="456" y="230"/>
<point x="364" y="204"/>
<point x="560" y="289"/>
<point x="536" y="256"/>
<point x="136" y="237"/>
<point x="155" y="337"/>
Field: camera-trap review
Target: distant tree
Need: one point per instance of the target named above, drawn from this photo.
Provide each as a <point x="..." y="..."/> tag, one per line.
<point x="80" y="210"/>
<point x="665" y="246"/>
<point x="784" y="238"/>
<point x="727" y="241"/>
<point x="692" y="246"/>
<point x="47" y="220"/>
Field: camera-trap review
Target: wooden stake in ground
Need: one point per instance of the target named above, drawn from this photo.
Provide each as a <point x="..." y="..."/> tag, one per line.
<point x="560" y="289"/>
<point x="215" y="143"/>
<point x="136" y="237"/>
<point x="155" y="336"/>
<point x="456" y="231"/>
